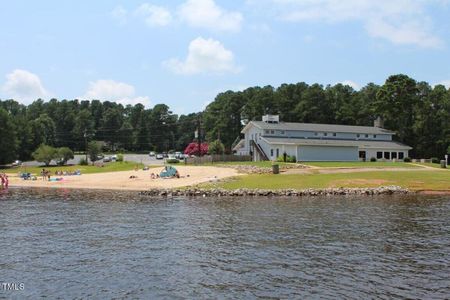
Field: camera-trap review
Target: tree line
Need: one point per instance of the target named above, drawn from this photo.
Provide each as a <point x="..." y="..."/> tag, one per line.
<point x="418" y="112"/>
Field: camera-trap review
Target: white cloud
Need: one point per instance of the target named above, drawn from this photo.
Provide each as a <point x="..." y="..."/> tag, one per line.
<point x="154" y="15"/>
<point x="204" y="56"/>
<point x="207" y="14"/>
<point x="402" y="22"/>
<point x="351" y="83"/>
<point x="24" y="86"/>
<point x="111" y="90"/>
<point x="120" y="14"/>
<point x="445" y="83"/>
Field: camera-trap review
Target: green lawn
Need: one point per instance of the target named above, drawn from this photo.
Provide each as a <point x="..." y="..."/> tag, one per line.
<point x="417" y="180"/>
<point x="360" y="164"/>
<point x="108" y="167"/>
<point x="261" y="164"/>
<point x="430" y="165"/>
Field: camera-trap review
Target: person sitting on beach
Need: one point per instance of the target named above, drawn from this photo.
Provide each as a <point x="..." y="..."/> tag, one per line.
<point x="177" y="174"/>
<point x="133" y="177"/>
<point x="152" y="176"/>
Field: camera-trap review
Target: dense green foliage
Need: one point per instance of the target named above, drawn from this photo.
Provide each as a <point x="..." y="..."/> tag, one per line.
<point x="216" y="147"/>
<point x="94" y="149"/>
<point x="44" y="153"/>
<point x="416" y="111"/>
<point x="63" y="154"/>
<point x="8" y="138"/>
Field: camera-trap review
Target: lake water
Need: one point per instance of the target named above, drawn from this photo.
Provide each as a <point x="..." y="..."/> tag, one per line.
<point x="73" y="244"/>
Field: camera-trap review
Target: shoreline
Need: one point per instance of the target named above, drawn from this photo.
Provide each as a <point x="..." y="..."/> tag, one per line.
<point x="214" y="192"/>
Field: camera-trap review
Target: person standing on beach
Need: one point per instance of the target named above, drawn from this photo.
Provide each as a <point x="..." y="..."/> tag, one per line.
<point x="43" y="174"/>
<point x="6" y="180"/>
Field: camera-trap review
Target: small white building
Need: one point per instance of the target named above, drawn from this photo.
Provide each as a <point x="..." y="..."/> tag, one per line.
<point x="270" y="138"/>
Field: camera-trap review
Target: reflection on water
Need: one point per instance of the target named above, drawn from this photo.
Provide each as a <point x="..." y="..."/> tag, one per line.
<point x="75" y="244"/>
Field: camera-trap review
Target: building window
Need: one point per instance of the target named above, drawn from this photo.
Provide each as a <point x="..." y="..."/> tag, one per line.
<point x="334" y="134"/>
<point x="400" y="155"/>
<point x="366" y="135"/>
<point x="278" y="152"/>
<point x="266" y="131"/>
<point x="358" y="135"/>
<point x="393" y="155"/>
<point x="272" y="131"/>
<point x="281" y="131"/>
<point x="379" y="155"/>
<point x="271" y="152"/>
<point x="325" y="134"/>
<point x="374" y="136"/>
<point x="362" y="154"/>
<point x="316" y="134"/>
<point x="387" y="155"/>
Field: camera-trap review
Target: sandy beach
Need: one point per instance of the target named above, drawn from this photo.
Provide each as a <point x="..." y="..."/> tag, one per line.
<point x="121" y="180"/>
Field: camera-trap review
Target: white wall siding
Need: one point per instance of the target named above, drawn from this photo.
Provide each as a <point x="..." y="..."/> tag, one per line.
<point x="327" y="153"/>
<point x="373" y="153"/>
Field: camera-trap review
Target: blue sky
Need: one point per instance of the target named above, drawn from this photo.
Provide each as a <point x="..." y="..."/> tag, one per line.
<point x="184" y="52"/>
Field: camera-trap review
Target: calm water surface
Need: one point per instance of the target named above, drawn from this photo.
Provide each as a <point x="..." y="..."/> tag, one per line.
<point x="71" y="244"/>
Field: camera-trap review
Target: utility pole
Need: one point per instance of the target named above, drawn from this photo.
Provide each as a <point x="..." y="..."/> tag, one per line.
<point x="85" y="144"/>
<point x="199" y="124"/>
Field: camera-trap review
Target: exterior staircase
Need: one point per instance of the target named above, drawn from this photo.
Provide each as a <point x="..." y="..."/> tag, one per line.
<point x="258" y="148"/>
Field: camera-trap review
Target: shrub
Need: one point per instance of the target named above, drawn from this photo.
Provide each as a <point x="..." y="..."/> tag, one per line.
<point x="435" y="160"/>
<point x="192" y="149"/>
<point x="172" y="161"/>
<point x="120" y="157"/>
<point x="83" y="161"/>
<point x="290" y="159"/>
<point x="373" y="159"/>
<point x="407" y="159"/>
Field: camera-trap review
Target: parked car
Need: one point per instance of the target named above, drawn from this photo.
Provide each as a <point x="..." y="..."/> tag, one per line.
<point x="107" y="159"/>
<point x="178" y="155"/>
<point x="17" y="163"/>
<point x="100" y="156"/>
<point x="165" y="154"/>
<point x="172" y="156"/>
<point x="114" y="157"/>
<point x="152" y="153"/>
<point x="159" y="156"/>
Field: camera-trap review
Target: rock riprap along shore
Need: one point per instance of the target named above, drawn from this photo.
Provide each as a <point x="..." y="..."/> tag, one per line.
<point x="249" y="169"/>
<point x="215" y="192"/>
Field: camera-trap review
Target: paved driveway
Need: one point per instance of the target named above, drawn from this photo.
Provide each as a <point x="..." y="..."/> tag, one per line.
<point x="139" y="158"/>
